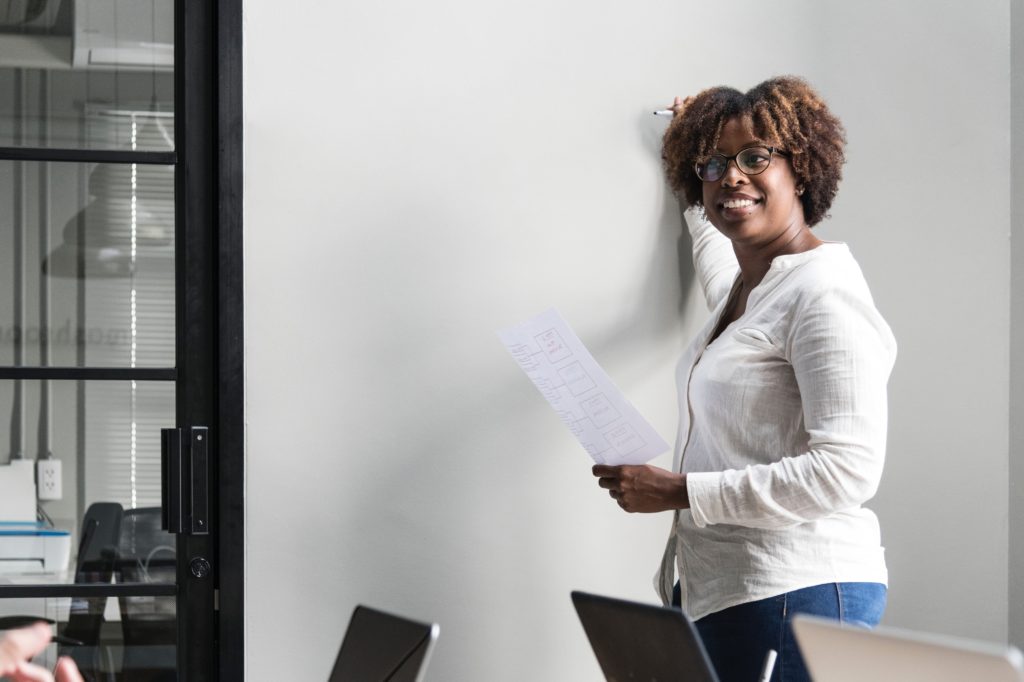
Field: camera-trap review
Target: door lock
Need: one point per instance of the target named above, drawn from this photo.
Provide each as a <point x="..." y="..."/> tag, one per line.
<point x="200" y="567"/>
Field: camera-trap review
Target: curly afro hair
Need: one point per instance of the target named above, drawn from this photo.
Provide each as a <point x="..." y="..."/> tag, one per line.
<point x="786" y="112"/>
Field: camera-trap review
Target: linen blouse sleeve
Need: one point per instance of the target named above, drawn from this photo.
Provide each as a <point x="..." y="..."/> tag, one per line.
<point x="713" y="257"/>
<point x="842" y="352"/>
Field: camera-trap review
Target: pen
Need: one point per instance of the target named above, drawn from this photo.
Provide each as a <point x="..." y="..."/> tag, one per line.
<point x="664" y="112"/>
<point x="769" y="665"/>
<point x="67" y="641"/>
<point x="11" y="622"/>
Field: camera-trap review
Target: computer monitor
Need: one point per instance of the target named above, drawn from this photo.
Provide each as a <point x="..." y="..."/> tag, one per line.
<point x="635" y="641"/>
<point x="836" y="652"/>
<point x="381" y="647"/>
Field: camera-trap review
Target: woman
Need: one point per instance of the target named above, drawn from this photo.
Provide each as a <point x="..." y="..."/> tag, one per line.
<point x="782" y="396"/>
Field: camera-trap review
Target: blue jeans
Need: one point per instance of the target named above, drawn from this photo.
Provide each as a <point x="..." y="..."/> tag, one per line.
<point x="738" y="638"/>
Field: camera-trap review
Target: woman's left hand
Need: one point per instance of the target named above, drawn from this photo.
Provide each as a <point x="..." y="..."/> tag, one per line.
<point x="642" y="487"/>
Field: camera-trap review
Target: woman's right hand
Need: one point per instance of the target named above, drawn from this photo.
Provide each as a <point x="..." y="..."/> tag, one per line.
<point x="678" y="104"/>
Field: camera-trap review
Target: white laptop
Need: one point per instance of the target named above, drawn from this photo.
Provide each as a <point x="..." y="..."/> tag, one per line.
<point x="846" y="653"/>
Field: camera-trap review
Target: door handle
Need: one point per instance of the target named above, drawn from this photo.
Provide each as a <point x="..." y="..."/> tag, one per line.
<point x="184" y="479"/>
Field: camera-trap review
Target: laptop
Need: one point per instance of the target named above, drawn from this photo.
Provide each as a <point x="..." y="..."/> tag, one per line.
<point x="380" y="647"/>
<point x="634" y="641"/>
<point x="836" y="652"/>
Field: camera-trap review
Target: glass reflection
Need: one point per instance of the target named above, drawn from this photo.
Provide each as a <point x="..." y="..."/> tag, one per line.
<point x="89" y="260"/>
<point x="61" y="62"/>
<point x="122" y="642"/>
<point x="106" y="437"/>
<point x="109" y="458"/>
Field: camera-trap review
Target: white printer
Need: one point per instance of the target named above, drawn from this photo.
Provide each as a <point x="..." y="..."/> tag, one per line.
<point x="25" y="544"/>
<point x="29" y="547"/>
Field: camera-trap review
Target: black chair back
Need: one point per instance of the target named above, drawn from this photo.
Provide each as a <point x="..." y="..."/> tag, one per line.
<point x="97" y="556"/>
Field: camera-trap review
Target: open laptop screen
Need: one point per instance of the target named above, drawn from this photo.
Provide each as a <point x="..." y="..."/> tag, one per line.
<point x="844" y="653"/>
<point x="634" y="641"/>
<point x="380" y="647"/>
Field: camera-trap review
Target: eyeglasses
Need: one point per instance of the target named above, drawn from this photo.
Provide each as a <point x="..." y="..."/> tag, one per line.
<point x="750" y="161"/>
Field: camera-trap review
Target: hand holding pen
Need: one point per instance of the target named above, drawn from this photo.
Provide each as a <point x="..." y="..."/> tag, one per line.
<point x="19" y="645"/>
<point x="677" y="106"/>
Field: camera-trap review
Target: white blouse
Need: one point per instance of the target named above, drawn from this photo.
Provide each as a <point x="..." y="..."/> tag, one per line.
<point x="782" y="424"/>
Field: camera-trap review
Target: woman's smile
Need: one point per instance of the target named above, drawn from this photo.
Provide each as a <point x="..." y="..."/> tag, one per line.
<point x="737" y="206"/>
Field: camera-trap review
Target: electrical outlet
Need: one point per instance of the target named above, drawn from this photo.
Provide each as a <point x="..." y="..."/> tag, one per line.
<point x="48" y="479"/>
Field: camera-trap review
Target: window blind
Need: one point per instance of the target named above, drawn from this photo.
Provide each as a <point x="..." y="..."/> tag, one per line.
<point x="131" y="211"/>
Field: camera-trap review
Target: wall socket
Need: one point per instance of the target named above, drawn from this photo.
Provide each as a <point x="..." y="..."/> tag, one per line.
<point x="48" y="479"/>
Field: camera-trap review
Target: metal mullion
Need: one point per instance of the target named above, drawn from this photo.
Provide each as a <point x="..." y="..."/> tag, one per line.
<point x="89" y="373"/>
<point x="45" y="188"/>
<point x="19" y="203"/>
<point x="45" y="591"/>
<point x="87" y="156"/>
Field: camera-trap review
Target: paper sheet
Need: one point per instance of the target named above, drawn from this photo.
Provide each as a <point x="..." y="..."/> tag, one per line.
<point x="18" y="491"/>
<point x="604" y="422"/>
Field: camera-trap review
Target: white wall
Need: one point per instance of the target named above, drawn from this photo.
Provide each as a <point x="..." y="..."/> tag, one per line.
<point x="421" y="174"/>
<point x="1016" y="501"/>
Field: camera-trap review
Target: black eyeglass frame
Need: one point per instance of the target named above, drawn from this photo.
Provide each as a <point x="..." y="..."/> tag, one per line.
<point x="772" y="151"/>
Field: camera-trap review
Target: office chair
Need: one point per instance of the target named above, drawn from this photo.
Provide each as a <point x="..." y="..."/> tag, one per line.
<point x="146" y="553"/>
<point x="97" y="555"/>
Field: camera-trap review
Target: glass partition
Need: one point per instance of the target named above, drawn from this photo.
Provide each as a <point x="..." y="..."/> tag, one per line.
<point x="105" y="438"/>
<point x="87" y="252"/>
<point x="130" y="638"/>
<point x="71" y="71"/>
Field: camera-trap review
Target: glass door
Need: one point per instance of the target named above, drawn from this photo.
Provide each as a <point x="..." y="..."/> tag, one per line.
<point x="109" y="328"/>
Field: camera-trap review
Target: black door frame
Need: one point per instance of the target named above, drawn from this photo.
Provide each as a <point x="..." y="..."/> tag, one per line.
<point x="210" y="361"/>
<point x="208" y="109"/>
<point x="208" y="104"/>
<point x="230" y="474"/>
